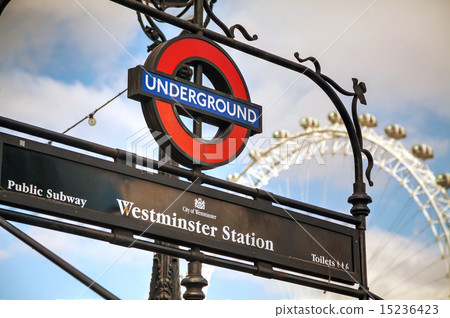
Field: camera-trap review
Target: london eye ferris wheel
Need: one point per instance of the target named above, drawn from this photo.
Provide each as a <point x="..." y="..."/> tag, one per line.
<point x="408" y="236"/>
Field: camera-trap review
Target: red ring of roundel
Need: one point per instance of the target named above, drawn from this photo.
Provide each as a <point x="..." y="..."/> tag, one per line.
<point x="204" y="153"/>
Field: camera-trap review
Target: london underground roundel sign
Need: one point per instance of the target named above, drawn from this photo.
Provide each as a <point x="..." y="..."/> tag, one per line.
<point x="166" y="95"/>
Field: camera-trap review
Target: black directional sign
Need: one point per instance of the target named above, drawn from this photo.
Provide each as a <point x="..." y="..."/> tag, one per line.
<point x="63" y="183"/>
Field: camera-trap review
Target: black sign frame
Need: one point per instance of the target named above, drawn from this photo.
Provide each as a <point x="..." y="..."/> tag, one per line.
<point x="10" y="144"/>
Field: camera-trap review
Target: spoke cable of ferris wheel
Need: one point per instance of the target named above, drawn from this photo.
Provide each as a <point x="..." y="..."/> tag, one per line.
<point x="387" y="234"/>
<point x="307" y="185"/>
<point x="288" y="187"/>
<point x="413" y="218"/>
<point x="383" y="204"/>
<point x="377" y="211"/>
<point x="399" y="221"/>
<point x="325" y="187"/>
<point x="404" y="260"/>
<point x="432" y="282"/>
<point x="416" y="274"/>
<point x="302" y="187"/>
<point x="376" y="172"/>
<point x="342" y="173"/>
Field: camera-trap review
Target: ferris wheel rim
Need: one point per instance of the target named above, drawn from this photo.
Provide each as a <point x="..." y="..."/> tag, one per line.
<point x="335" y="131"/>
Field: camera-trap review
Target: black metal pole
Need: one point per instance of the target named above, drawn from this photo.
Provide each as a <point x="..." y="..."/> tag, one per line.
<point x="165" y="279"/>
<point x="360" y="199"/>
<point x="198" y="68"/>
<point x="91" y="284"/>
<point x="194" y="281"/>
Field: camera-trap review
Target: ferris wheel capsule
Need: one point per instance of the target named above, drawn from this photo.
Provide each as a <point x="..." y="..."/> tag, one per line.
<point x="395" y="132"/>
<point x="368" y="120"/>
<point x="280" y="134"/>
<point x="309" y="122"/>
<point x="423" y="152"/>
<point x="443" y="179"/>
<point x="254" y="154"/>
<point x="335" y="118"/>
<point x="233" y="177"/>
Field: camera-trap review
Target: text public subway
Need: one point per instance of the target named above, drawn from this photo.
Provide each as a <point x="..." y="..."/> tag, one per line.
<point x="225" y="233"/>
<point x="201" y="99"/>
<point x="48" y="193"/>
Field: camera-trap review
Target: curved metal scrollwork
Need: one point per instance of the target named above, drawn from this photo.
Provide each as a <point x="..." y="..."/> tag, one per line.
<point x="155" y="34"/>
<point x="310" y="58"/>
<point x="244" y="32"/>
<point x="359" y="89"/>
<point x="152" y="31"/>
<point x="229" y="32"/>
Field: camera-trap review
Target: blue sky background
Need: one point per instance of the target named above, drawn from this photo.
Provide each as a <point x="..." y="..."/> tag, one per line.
<point x="57" y="65"/>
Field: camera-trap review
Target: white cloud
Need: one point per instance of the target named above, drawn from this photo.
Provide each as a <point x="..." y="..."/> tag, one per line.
<point x="45" y="102"/>
<point x="39" y="36"/>
<point x="45" y="28"/>
<point x="4" y="255"/>
<point x="397" y="48"/>
<point x="429" y="280"/>
<point x="78" y="250"/>
<point x="8" y="249"/>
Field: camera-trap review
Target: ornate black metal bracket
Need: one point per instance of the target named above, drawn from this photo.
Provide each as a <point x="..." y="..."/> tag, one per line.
<point x="155" y="34"/>
<point x="229" y="32"/>
<point x="244" y="32"/>
<point x="310" y="58"/>
<point x="359" y="89"/>
<point x="359" y="199"/>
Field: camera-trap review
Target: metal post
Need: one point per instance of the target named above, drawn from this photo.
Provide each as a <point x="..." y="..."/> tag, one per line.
<point x="198" y="68"/>
<point x="360" y="199"/>
<point x="165" y="281"/>
<point x="194" y="282"/>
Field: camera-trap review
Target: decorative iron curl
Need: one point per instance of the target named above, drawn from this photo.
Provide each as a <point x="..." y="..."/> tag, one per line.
<point x="244" y="32"/>
<point x="152" y="30"/>
<point x="163" y="6"/>
<point x="310" y="58"/>
<point x="229" y="32"/>
<point x="359" y="89"/>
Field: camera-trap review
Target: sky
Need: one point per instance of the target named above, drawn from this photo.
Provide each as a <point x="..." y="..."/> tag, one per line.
<point x="60" y="60"/>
